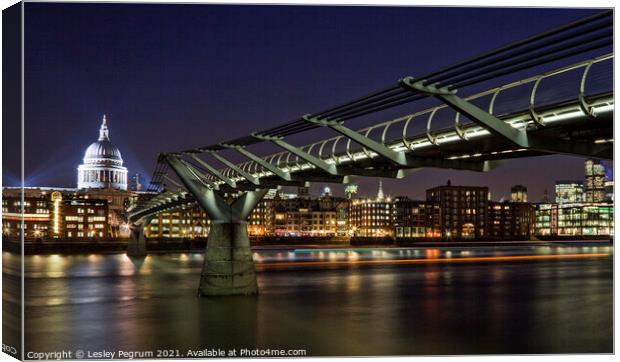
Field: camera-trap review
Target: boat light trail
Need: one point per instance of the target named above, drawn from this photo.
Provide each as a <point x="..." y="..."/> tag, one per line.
<point x="427" y="260"/>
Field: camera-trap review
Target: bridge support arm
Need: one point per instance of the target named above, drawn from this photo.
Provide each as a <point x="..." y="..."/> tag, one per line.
<point x="237" y="169"/>
<point x="317" y="162"/>
<point x="211" y="202"/>
<point x="197" y="175"/>
<point x="398" y="158"/>
<point x="484" y="119"/>
<point x="286" y="176"/>
<point x="215" y="172"/>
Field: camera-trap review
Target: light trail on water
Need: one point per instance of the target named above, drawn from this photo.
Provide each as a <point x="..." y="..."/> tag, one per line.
<point x="507" y="258"/>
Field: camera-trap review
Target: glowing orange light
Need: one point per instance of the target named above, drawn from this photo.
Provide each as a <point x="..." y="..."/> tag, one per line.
<point x="431" y="260"/>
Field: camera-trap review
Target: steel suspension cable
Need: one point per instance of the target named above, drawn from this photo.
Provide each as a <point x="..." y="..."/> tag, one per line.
<point x="522" y="42"/>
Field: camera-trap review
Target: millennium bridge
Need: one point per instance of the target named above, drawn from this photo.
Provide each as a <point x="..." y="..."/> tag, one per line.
<point x="550" y="93"/>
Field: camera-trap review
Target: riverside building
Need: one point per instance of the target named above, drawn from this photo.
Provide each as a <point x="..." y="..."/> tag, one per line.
<point x="511" y="220"/>
<point x="372" y="217"/>
<point x="51" y="214"/>
<point x="569" y="191"/>
<point x="574" y="220"/>
<point x="463" y="210"/>
<point x="416" y="219"/>
<point x="594" y="181"/>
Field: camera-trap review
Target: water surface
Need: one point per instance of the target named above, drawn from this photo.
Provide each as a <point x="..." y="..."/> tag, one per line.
<point x="331" y="302"/>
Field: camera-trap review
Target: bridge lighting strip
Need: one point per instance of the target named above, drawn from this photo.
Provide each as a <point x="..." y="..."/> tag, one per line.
<point x="604" y="140"/>
<point x="490" y="153"/>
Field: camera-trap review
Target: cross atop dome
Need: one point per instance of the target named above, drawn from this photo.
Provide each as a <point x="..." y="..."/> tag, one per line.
<point x="103" y="131"/>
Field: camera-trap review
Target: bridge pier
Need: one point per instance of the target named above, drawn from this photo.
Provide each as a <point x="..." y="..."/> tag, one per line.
<point x="137" y="242"/>
<point x="228" y="268"/>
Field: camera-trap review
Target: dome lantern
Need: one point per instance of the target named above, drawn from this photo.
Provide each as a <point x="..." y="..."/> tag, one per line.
<point x="103" y="131"/>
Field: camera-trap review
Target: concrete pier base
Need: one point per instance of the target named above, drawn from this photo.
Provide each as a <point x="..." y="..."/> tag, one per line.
<point x="137" y="243"/>
<point x="228" y="267"/>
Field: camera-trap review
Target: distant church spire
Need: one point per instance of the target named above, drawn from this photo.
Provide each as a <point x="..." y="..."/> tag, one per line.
<point x="103" y="131"/>
<point x="380" y="195"/>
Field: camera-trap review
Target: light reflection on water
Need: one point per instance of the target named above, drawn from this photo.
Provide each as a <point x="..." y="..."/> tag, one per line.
<point x="115" y="301"/>
<point x="94" y="265"/>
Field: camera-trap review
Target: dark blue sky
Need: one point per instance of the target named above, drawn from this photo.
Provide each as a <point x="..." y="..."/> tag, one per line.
<point x="176" y="76"/>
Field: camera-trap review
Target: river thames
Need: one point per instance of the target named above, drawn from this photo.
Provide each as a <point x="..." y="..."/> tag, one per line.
<point x="330" y="302"/>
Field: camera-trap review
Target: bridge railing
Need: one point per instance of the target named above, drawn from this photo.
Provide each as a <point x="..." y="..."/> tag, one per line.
<point x="340" y="149"/>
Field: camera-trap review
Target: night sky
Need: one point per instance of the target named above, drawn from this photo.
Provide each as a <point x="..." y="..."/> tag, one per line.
<point x="171" y="77"/>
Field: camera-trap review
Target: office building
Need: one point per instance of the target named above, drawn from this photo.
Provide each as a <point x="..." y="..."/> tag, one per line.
<point x="568" y="192"/>
<point x="53" y="215"/>
<point x="574" y="220"/>
<point x="308" y="217"/>
<point x="416" y="219"/>
<point x="182" y="223"/>
<point x="510" y="220"/>
<point x="609" y="191"/>
<point x="463" y="210"/>
<point x="371" y="218"/>
<point x="594" y="186"/>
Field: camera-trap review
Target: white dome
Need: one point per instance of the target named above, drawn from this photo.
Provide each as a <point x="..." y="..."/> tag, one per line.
<point x="102" y="151"/>
<point x="103" y="164"/>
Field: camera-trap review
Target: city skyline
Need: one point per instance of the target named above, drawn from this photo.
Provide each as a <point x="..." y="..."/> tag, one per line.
<point x="144" y="76"/>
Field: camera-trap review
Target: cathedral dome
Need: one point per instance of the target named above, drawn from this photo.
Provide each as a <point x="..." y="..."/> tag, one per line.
<point x="103" y="164"/>
<point x="103" y="151"/>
